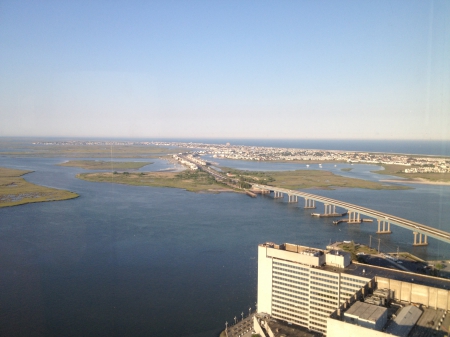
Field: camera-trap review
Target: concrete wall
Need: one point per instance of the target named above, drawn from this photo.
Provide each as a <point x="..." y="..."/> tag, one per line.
<point x="264" y="281"/>
<point x="296" y="257"/>
<point x="257" y="327"/>
<point x="337" y="328"/>
<point x="439" y="298"/>
<point x="416" y="293"/>
<point x="341" y="261"/>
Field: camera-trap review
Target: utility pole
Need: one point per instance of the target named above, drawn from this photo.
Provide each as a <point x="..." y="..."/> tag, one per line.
<point x="397" y="252"/>
<point x="370" y="241"/>
<point x="379" y="246"/>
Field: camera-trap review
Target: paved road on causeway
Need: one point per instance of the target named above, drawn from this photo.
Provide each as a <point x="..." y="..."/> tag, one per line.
<point x="392" y="219"/>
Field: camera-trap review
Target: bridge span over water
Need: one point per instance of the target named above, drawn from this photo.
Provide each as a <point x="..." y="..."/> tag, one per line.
<point x="420" y="231"/>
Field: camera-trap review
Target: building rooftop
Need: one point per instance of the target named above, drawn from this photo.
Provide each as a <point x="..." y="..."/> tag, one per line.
<point x="430" y="324"/>
<point x="359" y="269"/>
<point x="283" y="329"/>
<point x="365" y="270"/>
<point x="405" y="321"/>
<point x="289" y="247"/>
<point x="364" y="311"/>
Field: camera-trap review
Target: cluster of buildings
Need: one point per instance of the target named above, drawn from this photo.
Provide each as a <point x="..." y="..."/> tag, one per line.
<point x="303" y="289"/>
<point x="438" y="167"/>
<point x="415" y="164"/>
<point x="185" y="162"/>
<point x="197" y="160"/>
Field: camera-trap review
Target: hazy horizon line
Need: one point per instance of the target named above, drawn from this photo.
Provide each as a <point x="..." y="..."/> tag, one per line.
<point x="225" y="138"/>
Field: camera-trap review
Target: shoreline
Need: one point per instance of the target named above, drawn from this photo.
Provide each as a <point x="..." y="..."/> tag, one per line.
<point x="16" y="191"/>
<point x="417" y="181"/>
<point x="38" y="201"/>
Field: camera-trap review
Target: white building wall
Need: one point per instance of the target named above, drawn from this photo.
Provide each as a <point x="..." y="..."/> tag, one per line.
<point x="291" y="289"/>
<point x="264" y="281"/>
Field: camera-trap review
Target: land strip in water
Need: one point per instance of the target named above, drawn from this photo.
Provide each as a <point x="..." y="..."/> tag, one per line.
<point x="14" y="190"/>
<point x="415" y="168"/>
<point x="301" y="179"/>
<point x="194" y="181"/>
<point x="197" y="181"/>
<point x="116" y="150"/>
<point x="105" y="165"/>
<point x="420" y="178"/>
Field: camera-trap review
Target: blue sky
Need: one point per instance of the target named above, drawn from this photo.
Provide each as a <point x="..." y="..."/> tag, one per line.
<point x="225" y="69"/>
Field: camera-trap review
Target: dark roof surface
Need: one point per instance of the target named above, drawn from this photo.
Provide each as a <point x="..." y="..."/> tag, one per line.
<point x="369" y="271"/>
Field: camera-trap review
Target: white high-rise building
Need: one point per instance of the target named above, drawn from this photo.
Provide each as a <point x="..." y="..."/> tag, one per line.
<point x="303" y="285"/>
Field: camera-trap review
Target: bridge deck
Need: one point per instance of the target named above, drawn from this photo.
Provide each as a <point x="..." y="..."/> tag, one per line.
<point x="395" y="220"/>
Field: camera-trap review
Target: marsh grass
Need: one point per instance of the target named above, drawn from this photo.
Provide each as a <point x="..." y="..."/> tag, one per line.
<point x="104" y="165"/>
<point x="300" y="179"/>
<point x="194" y="181"/>
<point x="14" y="190"/>
<point x="91" y="151"/>
<point x="197" y="181"/>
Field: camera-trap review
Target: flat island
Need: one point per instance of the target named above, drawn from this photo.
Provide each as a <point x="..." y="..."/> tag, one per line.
<point x="105" y="165"/>
<point x="85" y="149"/>
<point x="301" y="179"/>
<point x="197" y="181"/>
<point x="194" y="181"/>
<point x="415" y="168"/>
<point x="14" y="190"/>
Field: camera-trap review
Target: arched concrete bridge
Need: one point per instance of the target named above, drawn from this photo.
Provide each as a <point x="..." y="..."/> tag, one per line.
<point x="420" y="231"/>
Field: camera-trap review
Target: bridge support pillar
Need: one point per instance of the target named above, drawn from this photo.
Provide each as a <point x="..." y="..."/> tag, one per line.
<point x="420" y="242"/>
<point x="310" y="203"/>
<point x="292" y="198"/>
<point x="277" y="195"/>
<point x="384" y="229"/>
<point x="329" y="209"/>
<point x="353" y="217"/>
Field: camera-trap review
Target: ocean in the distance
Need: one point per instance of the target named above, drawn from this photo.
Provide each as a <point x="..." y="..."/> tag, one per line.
<point x="425" y="147"/>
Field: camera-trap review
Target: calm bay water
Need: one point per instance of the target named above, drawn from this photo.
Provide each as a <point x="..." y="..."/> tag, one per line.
<point x="140" y="261"/>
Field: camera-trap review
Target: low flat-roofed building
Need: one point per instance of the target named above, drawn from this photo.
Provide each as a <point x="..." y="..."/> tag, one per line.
<point x="338" y="258"/>
<point x="367" y="315"/>
<point x="434" y="322"/>
<point x="405" y="321"/>
<point x="403" y="318"/>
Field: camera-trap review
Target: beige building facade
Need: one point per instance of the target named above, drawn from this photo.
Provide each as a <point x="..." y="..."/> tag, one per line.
<point x="324" y="291"/>
<point x="304" y="285"/>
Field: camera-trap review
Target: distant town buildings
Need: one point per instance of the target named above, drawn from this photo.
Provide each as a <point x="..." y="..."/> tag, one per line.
<point x="185" y="162"/>
<point x="412" y="163"/>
